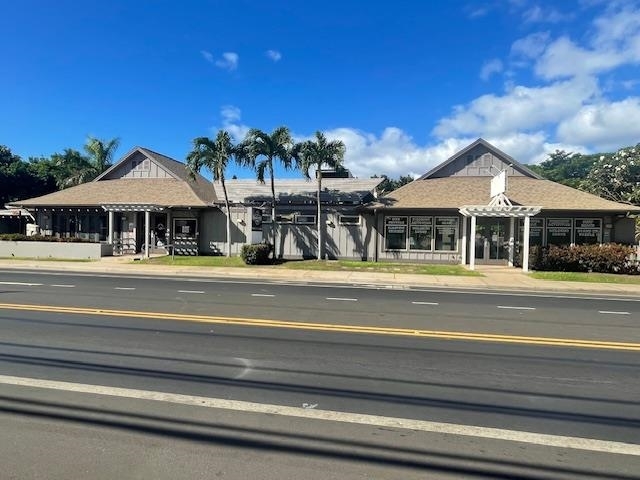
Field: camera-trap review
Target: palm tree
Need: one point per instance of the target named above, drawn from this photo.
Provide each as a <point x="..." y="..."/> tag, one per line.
<point x="100" y="153"/>
<point x="314" y="154"/>
<point x="259" y="150"/>
<point x="214" y="155"/>
<point x="70" y="168"/>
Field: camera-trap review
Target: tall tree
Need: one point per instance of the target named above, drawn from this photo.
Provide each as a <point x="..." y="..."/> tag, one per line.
<point x="214" y="155"/>
<point x="259" y="150"/>
<point x="314" y="154"/>
<point x="71" y="168"/>
<point x="616" y="177"/>
<point x="101" y="153"/>
<point x="566" y="167"/>
<point x="74" y="168"/>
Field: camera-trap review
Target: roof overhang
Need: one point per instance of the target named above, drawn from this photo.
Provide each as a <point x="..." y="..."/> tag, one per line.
<point x="132" y="207"/>
<point x="518" y="211"/>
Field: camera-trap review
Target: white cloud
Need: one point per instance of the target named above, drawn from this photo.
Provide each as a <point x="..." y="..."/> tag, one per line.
<point x="229" y="61"/>
<point x="490" y="67"/>
<point x="231" y="122"/>
<point x="604" y="126"/>
<point x="531" y="46"/>
<point x="521" y="108"/>
<point x="230" y="113"/>
<point x="563" y="58"/>
<point x="393" y="153"/>
<point x="274" y="55"/>
<point x="208" y="56"/>
<point x="538" y="14"/>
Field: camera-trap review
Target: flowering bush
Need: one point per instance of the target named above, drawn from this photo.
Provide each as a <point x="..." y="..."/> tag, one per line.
<point x="616" y="176"/>
<point x="607" y="258"/>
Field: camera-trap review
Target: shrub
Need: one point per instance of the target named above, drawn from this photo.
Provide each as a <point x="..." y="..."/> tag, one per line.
<point x="19" y="237"/>
<point x="607" y="258"/>
<point x="256" y="254"/>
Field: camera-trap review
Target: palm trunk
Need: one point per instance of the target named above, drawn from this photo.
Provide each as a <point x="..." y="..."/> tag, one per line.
<point x="320" y="243"/>
<point x="274" y="226"/>
<point x="226" y="203"/>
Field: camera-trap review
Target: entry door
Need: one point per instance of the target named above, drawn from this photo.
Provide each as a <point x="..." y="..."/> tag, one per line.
<point x="492" y="240"/>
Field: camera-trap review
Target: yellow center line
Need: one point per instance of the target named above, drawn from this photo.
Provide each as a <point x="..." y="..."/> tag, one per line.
<point x="328" y="327"/>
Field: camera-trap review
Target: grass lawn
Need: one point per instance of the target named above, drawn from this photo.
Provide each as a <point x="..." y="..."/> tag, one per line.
<point x="329" y="265"/>
<point x="384" y="267"/>
<point x="200" y="261"/>
<point x="50" y="259"/>
<point x="587" y="277"/>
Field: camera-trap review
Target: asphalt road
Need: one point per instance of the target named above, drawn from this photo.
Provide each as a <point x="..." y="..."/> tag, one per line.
<point x="569" y="392"/>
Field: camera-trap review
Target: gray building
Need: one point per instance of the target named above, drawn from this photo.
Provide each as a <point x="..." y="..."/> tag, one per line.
<point x="147" y="201"/>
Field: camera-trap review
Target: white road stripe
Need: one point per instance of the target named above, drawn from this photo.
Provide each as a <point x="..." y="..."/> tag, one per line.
<point x="515" y="308"/>
<point x="124" y="288"/>
<point x="63" y="286"/>
<point x="262" y="295"/>
<point x="608" y="312"/>
<point x="23" y="284"/>
<point x="341" y="299"/>
<point x="556" y="441"/>
<point x="190" y="291"/>
<point x="425" y="303"/>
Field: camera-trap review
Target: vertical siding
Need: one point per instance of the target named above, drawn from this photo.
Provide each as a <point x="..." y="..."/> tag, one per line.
<point x="477" y="162"/>
<point x="125" y="170"/>
<point x="213" y="232"/>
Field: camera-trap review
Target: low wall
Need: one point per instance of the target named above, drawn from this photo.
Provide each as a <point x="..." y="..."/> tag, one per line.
<point x="55" y="250"/>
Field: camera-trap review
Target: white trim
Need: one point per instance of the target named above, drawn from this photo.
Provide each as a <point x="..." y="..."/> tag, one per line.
<point x="342" y="222"/>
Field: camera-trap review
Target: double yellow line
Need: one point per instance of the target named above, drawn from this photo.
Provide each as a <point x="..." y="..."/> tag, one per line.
<point x="328" y="327"/>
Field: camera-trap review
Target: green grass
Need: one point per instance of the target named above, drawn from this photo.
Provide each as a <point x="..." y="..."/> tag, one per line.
<point x="328" y="265"/>
<point x="200" y="261"/>
<point x="587" y="277"/>
<point x="382" y="267"/>
<point x="50" y="259"/>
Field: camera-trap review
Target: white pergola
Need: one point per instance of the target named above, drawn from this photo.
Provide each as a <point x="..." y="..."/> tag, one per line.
<point x="498" y="207"/>
<point x="132" y="207"/>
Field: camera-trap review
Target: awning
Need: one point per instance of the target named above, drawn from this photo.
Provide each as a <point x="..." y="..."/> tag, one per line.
<point x="131" y="207"/>
<point x="519" y="211"/>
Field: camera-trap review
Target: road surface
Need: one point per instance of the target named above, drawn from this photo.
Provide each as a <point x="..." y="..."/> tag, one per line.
<point x="136" y="377"/>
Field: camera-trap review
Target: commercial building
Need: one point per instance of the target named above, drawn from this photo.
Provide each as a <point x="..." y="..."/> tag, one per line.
<point x="448" y="215"/>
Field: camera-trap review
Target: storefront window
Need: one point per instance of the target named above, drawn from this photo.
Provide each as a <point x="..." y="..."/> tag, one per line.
<point x="587" y="231"/>
<point x="559" y="231"/>
<point x="395" y="233"/>
<point x="420" y="233"/>
<point x="536" y="231"/>
<point x="447" y="234"/>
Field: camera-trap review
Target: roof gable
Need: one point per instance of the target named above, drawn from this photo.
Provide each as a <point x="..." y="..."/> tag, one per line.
<point x="139" y="163"/>
<point x="479" y="159"/>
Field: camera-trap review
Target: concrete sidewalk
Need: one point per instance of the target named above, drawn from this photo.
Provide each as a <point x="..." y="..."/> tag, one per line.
<point x="494" y="277"/>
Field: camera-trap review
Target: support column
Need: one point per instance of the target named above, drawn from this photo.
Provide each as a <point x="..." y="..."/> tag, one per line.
<point x="512" y="243"/>
<point x="525" y="244"/>
<point x="472" y="244"/>
<point x="146" y="233"/>
<point x="463" y="249"/>
<point x="110" y="231"/>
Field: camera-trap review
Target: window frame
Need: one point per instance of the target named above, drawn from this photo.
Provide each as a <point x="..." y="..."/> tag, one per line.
<point x="386" y="233"/>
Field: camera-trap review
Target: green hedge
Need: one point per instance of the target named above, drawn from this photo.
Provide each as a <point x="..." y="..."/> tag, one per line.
<point x="607" y="258"/>
<point x="19" y="237"/>
<point x="256" y="254"/>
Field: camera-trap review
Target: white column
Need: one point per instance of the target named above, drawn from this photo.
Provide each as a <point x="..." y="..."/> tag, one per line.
<point x="525" y="244"/>
<point x="463" y="248"/>
<point x="472" y="244"/>
<point x="512" y="244"/>
<point x="110" y="231"/>
<point x="146" y="234"/>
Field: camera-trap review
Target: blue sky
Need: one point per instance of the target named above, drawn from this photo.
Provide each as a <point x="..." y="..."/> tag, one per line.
<point x="403" y="84"/>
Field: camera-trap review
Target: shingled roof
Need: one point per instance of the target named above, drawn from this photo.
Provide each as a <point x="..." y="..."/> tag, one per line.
<point x="335" y="190"/>
<point x="454" y="192"/>
<point x="178" y="190"/>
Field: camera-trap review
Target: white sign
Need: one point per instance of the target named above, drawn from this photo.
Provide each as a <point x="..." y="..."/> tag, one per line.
<point x="499" y="184"/>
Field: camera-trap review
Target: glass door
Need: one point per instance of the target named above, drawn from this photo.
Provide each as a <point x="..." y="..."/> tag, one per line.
<point x="492" y="239"/>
